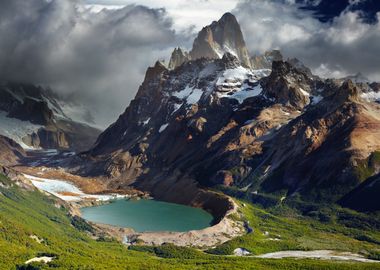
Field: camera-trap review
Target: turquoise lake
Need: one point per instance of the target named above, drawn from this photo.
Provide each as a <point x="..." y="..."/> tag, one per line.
<point x="149" y="216"/>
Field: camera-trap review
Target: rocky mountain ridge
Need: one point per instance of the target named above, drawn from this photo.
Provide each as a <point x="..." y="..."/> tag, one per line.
<point x="216" y="121"/>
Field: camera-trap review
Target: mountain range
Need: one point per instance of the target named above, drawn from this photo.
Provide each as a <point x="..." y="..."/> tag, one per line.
<point x="286" y="163"/>
<point x="262" y="125"/>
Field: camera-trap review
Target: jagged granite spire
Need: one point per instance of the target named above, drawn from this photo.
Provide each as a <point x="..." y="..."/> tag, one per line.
<point x="220" y="37"/>
<point x="178" y="57"/>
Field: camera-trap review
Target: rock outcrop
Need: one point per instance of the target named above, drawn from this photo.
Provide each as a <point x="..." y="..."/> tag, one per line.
<point x="178" y="57"/>
<point x="220" y="37"/>
<point x="287" y="85"/>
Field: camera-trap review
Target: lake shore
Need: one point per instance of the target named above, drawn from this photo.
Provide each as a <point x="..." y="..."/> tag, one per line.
<point x="224" y="230"/>
<point x="225" y="227"/>
<point x="206" y="238"/>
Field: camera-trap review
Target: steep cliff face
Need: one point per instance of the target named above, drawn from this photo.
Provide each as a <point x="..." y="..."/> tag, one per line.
<point x="214" y="121"/>
<point x="33" y="117"/>
<point x="220" y="37"/>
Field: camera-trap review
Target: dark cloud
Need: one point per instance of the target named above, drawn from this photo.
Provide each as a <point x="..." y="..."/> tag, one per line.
<point x="100" y="58"/>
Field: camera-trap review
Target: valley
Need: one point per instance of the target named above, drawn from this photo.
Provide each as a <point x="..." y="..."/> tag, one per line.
<point x="65" y="239"/>
<point x="222" y="160"/>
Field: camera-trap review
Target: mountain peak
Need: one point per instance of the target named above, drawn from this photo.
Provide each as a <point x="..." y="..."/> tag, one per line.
<point x="287" y="85"/>
<point x="348" y="92"/>
<point x="178" y="57"/>
<point x="222" y="36"/>
<point x="228" y="17"/>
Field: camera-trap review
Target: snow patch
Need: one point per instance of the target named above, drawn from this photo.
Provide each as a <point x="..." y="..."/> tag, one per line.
<point x="241" y="252"/>
<point x="242" y="95"/>
<point x="189" y="94"/>
<point x="163" y="127"/>
<point x="183" y="93"/>
<point x="66" y="191"/>
<point x="237" y="83"/>
<point x="144" y="123"/>
<point x="44" y="259"/>
<point x="239" y="74"/>
<point x="261" y="73"/>
<point x="316" y="99"/>
<point x="36" y="238"/>
<point x="195" y="96"/>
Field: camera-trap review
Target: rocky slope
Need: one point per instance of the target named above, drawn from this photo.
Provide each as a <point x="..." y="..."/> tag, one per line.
<point x="34" y="117"/>
<point x="216" y="121"/>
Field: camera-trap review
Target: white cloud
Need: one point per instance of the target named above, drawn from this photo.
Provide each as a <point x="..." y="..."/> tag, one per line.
<point x="345" y="46"/>
<point x="268" y="24"/>
<point x="197" y="13"/>
<point x="347" y="29"/>
<point x="99" y="58"/>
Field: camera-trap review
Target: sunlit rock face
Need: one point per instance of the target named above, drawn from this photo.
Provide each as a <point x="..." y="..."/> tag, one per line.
<point x="220" y="37"/>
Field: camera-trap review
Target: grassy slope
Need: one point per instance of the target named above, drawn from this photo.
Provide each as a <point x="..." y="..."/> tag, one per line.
<point x="302" y="233"/>
<point x="24" y="213"/>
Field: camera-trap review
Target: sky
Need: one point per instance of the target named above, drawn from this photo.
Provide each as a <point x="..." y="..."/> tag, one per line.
<point x="96" y="51"/>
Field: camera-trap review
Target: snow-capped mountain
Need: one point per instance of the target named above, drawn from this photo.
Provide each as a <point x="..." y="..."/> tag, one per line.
<point x="35" y="117"/>
<point x="212" y="120"/>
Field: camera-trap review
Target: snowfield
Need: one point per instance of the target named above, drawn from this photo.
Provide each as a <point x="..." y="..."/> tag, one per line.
<point x="189" y="95"/>
<point x="16" y="129"/>
<point x="235" y="83"/>
<point x="236" y="74"/>
<point x="242" y="95"/>
<point x="66" y="191"/>
<point x="241" y="252"/>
